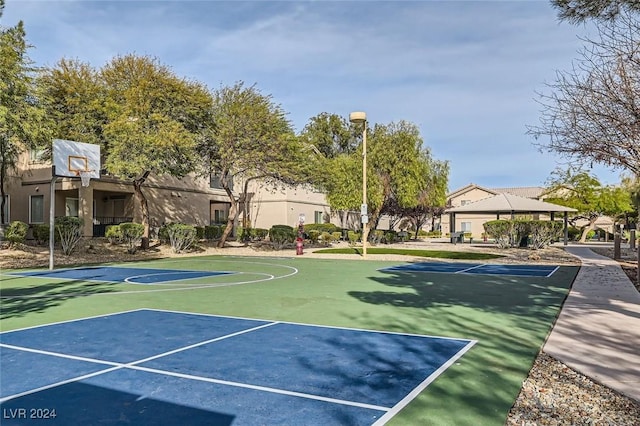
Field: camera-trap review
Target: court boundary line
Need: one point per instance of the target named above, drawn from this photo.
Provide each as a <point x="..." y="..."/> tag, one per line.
<point x="134" y="365"/>
<point x="262" y="388"/>
<point x="116" y="365"/>
<point x="422" y="386"/>
<point x="469" y="269"/>
<point x="398" y="333"/>
<point x="158" y="290"/>
<point x="72" y="320"/>
<point x="407" y="271"/>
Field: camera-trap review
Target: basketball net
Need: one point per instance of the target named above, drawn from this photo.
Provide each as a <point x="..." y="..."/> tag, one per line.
<point x="85" y="177"/>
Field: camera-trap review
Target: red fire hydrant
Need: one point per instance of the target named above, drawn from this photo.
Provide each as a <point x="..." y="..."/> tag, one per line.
<point x="299" y="246"/>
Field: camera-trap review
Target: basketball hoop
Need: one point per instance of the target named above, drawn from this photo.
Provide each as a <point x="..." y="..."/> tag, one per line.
<point x="85" y="177"/>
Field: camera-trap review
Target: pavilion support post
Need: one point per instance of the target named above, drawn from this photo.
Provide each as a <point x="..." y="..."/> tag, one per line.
<point x="566" y="228"/>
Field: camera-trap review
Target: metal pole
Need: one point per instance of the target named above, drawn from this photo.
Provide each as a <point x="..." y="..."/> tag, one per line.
<point x="365" y="233"/>
<point x="52" y="219"/>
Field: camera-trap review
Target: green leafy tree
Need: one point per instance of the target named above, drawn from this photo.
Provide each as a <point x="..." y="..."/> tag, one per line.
<point x="153" y="120"/>
<point x="584" y="192"/>
<point x="333" y="139"/>
<point x="23" y="121"/>
<point x="330" y="134"/>
<point x="248" y="138"/>
<point x="579" y="11"/>
<point x="431" y="198"/>
<point x="76" y="99"/>
<point x="146" y="118"/>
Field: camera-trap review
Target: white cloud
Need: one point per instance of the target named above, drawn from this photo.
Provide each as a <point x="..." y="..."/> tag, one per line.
<point x="464" y="71"/>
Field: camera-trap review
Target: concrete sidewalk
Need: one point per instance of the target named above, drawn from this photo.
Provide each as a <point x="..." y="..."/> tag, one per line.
<point x="598" y="330"/>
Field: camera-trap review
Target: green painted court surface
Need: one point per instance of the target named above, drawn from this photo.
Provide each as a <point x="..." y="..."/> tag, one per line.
<point x="509" y="316"/>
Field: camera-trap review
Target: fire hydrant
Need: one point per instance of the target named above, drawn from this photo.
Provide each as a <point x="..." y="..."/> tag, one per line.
<point x="299" y="246"/>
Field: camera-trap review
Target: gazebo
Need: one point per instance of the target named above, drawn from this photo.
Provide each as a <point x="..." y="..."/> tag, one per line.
<point x="510" y="204"/>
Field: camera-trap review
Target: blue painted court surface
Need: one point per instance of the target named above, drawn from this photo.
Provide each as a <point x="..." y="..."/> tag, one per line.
<point x="158" y="367"/>
<point x="117" y="274"/>
<point x="476" y="268"/>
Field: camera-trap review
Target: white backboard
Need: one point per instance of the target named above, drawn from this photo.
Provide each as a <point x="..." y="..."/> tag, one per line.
<point x="70" y="158"/>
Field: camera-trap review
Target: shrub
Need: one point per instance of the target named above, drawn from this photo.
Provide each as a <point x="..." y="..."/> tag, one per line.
<point x="70" y="231"/>
<point x="261" y="233"/>
<point x="544" y="233"/>
<point x="16" y="232"/>
<point x="113" y="234"/>
<point x="40" y="233"/>
<point x="501" y="231"/>
<point x="314" y="235"/>
<point x="353" y="237"/>
<point x="132" y="235"/>
<point x="163" y="233"/>
<point x="200" y="232"/>
<point x="390" y="236"/>
<point x="212" y="232"/>
<point x="320" y="227"/>
<point x="432" y="234"/>
<point x="574" y="233"/>
<point x="327" y="238"/>
<point x="335" y="236"/>
<point x="280" y="235"/>
<point x="181" y="236"/>
<point x="376" y="236"/>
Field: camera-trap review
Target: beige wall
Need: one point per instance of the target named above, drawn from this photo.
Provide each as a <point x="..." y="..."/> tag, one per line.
<point x="283" y="205"/>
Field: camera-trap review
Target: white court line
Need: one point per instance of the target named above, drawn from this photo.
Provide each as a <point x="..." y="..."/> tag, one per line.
<point x="211" y="275"/>
<point x="469" y="269"/>
<point x="422" y="386"/>
<point x="188" y="288"/>
<point x="74" y="320"/>
<point x="309" y="325"/>
<point x="134" y="366"/>
<point x="263" y="388"/>
<point x="64" y="382"/>
<point x="553" y="272"/>
<point x="116" y="365"/>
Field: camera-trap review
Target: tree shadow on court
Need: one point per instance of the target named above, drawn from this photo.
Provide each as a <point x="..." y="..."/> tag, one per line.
<point x="507" y="294"/>
<point x="19" y="302"/>
<point x="483" y="384"/>
<point x="84" y="404"/>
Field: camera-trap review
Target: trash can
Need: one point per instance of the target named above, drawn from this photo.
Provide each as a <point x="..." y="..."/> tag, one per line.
<point x="299" y="246"/>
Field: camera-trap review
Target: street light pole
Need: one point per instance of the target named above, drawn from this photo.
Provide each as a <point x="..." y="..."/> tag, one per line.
<point x="361" y="117"/>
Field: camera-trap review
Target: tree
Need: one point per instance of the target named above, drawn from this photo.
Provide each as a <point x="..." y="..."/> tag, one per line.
<point x="592" y="113"/>
<point x="23" y="122"/>
<point x="153" y="122"/>
<point x="396" y="172"/>
<point x="146" y="119"/>
<point x="334" y="139"/>
<point x="330" y="134"/>
<point x="433" y="197"/>
<point x="248" y="137"/>
<point x="578" y="11"/>
<point x="580" y="190"/>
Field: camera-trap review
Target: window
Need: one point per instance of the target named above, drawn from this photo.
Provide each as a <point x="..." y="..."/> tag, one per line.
<point x="219" y="216"/>
<point x="465" y="226"/>
<point x="317" y="217"/>
<point x="36" y="209"/>
<point x="214" y="182"/>
<point x="6" y="209"/>
<point x="71" y="206"/>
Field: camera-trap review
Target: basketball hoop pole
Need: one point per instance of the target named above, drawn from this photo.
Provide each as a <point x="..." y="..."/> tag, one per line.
<point x="52" y="215"/>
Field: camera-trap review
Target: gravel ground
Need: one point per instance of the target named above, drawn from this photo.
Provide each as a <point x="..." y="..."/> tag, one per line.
<point x="553" y="394"/>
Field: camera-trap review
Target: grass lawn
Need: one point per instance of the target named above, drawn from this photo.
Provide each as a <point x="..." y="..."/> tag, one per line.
<point x="439" y="254"/>
<point x="509" y="316"/>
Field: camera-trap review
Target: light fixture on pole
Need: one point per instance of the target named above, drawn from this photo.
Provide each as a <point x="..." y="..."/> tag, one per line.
<point x="361" y="117"/>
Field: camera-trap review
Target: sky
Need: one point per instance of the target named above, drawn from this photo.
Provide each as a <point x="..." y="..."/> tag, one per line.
<point x="465" y="72"/>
